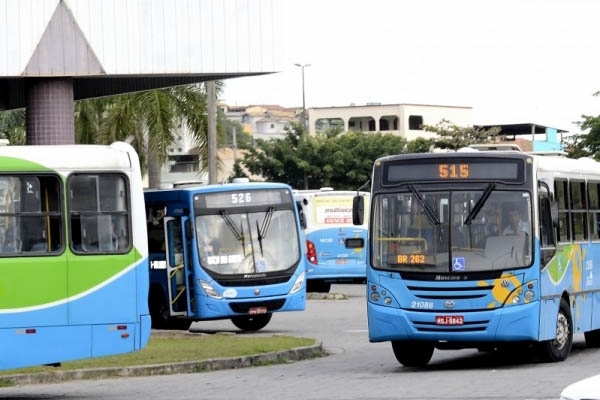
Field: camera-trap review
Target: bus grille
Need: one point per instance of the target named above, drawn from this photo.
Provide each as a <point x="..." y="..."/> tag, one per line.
<point x="244" y="307"/>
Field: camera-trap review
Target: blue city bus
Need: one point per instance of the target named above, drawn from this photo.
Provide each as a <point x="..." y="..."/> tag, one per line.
<point x="230" y="251"/>
<point x="506" y="251"/>
<point x="73" y="254"/>
<point x="335" y="247"/>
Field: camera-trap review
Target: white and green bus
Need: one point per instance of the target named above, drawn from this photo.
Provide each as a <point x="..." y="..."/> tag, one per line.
<point x="73" y="254"/>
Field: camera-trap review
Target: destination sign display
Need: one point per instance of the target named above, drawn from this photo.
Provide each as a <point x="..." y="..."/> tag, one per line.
<point x="242" y="198"/>
<point x="480" y="169"/>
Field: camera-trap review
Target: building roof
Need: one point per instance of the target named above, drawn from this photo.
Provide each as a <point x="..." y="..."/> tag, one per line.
<point x="520" y="129"/>
<point x="109" y="47"/>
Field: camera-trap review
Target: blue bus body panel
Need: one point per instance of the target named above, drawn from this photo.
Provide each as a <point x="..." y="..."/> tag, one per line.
<point x="335" y="259"/>
<point x="571" y="272"/>
<point x="35" y="337"/>
<point x="485" y="305"/>
<point x="30" y="340"/>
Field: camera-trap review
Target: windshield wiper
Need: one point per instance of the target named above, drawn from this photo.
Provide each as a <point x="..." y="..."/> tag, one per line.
<point x="473" y="214"/>
<point x="230" y="225"/>
<point x="431" y="214"/>
<point x="262" y="231"/>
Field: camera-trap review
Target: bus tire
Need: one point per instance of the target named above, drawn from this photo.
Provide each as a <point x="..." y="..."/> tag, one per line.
<point x="250" y="323"/>
<point x="592" y="338"/>
<point x="411" y="353"/>
<point x="159" y="313"/>
<point x="179" y="324"/>
<point x="558" y="349"/>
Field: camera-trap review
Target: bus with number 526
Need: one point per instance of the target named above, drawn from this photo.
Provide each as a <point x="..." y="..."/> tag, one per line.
<point x="480" y="249"/>
<point x="231" y="251"/>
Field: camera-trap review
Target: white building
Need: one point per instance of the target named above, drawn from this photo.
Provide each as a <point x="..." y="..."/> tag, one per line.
<point x="406" y="120"/>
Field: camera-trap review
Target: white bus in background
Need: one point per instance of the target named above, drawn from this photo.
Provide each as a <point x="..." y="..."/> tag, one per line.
<point x="336" y="249"/>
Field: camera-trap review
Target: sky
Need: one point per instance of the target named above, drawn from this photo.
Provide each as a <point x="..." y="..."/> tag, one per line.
<point x="512" y="61"/>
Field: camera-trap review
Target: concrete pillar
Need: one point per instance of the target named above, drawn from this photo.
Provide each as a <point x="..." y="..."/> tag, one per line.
<point x="50" y="107"/>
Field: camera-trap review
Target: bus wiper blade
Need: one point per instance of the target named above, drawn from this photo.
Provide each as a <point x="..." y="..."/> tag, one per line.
<point x="242" y="237"/>
<point x="262" y="231"/>
<point x="259" y="239"/>
<point x="473" y="214"/>
<point x="230" y="224"/>
<point x="431" y="214"/>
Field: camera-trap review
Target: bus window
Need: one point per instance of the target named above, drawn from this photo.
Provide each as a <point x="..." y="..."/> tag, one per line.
<point x="30" y="214"/>
<point x="98" y="213"/>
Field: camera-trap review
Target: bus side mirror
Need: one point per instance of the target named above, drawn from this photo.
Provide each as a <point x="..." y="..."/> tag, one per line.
<point x="358" y="210"/>
<point x="301" y="215"/>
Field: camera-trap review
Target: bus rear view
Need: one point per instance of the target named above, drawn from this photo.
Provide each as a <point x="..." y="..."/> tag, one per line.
<point x="335" y="247"/>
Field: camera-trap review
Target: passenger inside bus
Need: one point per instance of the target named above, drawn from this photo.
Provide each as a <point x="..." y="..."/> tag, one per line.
<point x="421" y="226"/>
<point x="516" y="224"/>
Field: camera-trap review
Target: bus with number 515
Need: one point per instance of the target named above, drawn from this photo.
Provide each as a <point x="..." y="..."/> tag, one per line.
<point x="482" y="248"/>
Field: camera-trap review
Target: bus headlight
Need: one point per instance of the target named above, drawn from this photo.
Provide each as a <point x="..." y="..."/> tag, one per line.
<point x="209" y="290"/>
<point x="529" y="295"/>
<point x="298" y="284"/>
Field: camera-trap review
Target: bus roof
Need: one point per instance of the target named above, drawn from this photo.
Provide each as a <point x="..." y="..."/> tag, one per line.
<point x="72" y="157"/>
<point x="224" y="186"/>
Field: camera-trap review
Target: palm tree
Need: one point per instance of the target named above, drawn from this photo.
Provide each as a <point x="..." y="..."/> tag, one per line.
<point x="151" y="117"/>
<point x="12" y="126"/>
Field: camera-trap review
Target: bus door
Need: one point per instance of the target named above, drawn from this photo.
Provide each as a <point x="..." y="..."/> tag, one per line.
<point x="178" y="267"/>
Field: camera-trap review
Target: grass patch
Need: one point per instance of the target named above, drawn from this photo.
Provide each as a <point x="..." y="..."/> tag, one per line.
<point x="180" y="348"/>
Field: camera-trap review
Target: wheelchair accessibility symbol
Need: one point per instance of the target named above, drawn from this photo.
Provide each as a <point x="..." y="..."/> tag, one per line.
<point x="458" y="264"/>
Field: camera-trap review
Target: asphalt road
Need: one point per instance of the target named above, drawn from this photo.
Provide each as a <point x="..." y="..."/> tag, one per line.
<point x="355" y="368"/>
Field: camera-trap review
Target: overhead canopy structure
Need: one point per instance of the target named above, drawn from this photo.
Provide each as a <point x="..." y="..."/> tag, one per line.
<point x="55" y="51"/>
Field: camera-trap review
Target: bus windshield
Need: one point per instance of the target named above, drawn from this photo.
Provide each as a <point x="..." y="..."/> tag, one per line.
<point x="452" y="231"/>
<point x="236" y="241"/>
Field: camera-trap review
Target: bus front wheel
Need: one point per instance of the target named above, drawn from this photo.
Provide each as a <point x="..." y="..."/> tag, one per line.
<point x="252" y="322"/>
<point x="412" y="353"/>
<point x="558" y="349"/>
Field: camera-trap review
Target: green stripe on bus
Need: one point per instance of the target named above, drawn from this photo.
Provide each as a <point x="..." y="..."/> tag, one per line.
<point x="36" y="281"/>
<point x="11" y="164"/>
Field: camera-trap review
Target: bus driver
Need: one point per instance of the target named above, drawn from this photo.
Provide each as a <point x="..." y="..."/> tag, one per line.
<point x="516" y="224"/>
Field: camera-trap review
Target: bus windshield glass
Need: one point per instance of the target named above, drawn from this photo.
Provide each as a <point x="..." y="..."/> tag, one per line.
<point x="452" y="231"/>
<point x="237" y="241"/>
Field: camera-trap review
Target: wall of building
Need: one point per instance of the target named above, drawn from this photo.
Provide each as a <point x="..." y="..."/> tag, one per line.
<point x="394" y="118"/>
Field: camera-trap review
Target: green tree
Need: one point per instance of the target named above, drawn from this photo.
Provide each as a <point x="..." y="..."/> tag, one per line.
<point x="12" y="126"/>
<point x="588" y="143"/>
<point x="454" y="137"/>
<point x="243" y="140"/>
<point x="342" y="161"/>
<point x="152" y="117"/>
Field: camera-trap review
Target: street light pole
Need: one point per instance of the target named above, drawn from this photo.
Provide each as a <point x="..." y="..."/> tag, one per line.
<point x="304" y="122"/>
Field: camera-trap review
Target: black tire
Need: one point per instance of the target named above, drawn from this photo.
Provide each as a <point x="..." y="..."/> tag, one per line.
<point x="179" y="324"/>
<point x="159" y="313"/>
<point x="412" y="353"/>
<point x="592" y="338"/>
<point x="251" y="323"/>
<point x="318" y="286"/>
<point x="558" y="349"/>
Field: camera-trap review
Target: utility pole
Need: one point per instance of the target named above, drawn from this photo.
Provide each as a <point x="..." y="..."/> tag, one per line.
<point x="304" y="120"/>
<point x="211" y="103"/>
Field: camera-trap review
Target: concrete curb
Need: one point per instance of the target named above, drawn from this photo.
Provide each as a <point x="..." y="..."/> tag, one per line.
<point x="326" y="296"/>
<point x="278" y="357"/>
